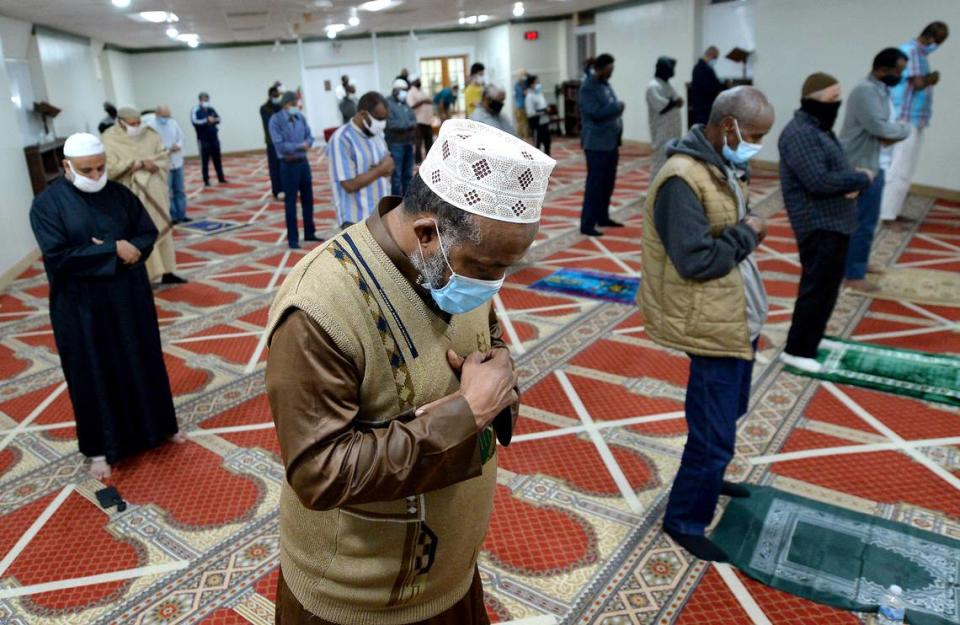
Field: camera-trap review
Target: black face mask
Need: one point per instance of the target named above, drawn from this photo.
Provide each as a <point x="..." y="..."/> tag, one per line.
<point x="496" y="106"/>
<point x="890" y="80"/>
<point x="825" y="112"/>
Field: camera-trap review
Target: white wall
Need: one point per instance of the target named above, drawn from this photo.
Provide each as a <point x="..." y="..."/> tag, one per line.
<point x="72" y="81"/>
<point x="19" y="52"/>
<point x="16" y="238"/>
<point x="494" y="49"/>
<point x="636" y="36"/>
<point x="727" y="26"/>
<point x="118" y="78"/>
<point x="546" y="57"/>
<point x="237" y="80"/>
<point x="795" y="39"/>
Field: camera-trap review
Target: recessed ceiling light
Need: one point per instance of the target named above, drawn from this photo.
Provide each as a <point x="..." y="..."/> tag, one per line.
<point x="331" y="34"/>
<point x="379" y="5"/>
<point x="188" y="37"/>
<point x="518" y="9"/>
<point x="172" y="32"/>
<point x="354" y="19"/>
<point x="121" y="4"/>
<point x="158" y="17"/>
<point x="193" y="43"/>
<point x="482" y="18"/>
<point x="336" y="28"/>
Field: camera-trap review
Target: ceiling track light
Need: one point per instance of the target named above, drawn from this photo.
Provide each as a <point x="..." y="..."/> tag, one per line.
<point x="120" y="4"/>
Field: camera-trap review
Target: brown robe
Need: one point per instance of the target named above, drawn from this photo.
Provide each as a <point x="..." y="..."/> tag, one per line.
<point x="151" y="188"/>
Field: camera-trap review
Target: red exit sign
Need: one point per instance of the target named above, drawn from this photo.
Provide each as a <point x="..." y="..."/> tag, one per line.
<point x="531" y="35"/>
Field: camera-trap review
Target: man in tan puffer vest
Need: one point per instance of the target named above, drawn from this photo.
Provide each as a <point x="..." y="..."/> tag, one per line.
<point x="702" y="294"/>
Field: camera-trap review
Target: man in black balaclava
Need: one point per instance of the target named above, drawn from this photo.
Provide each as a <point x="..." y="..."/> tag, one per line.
<point x="819" y="190"/>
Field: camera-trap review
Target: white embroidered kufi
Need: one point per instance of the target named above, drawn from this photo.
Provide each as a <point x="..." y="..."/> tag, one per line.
<point x="487" y="172"/>
<point x="82" y="144"/>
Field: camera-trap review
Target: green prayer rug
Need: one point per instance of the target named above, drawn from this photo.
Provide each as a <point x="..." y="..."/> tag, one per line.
<point x="932" y="377"/>
<point x="839" y="557"/>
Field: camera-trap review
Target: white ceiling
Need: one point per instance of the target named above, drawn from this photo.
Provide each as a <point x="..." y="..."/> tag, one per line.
<point x="231" y="21"/>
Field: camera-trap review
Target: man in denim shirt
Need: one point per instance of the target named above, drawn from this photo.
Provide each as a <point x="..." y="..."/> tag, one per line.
<point x="601" y="128"/>
<point x="292" y="140"/>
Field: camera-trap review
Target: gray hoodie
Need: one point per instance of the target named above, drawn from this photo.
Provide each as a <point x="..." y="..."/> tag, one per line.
<point x="681" y="223"/>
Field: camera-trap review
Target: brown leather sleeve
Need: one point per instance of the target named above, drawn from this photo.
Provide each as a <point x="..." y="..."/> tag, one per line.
<point x="506" y="421"/>
<point x="314" y="396"/>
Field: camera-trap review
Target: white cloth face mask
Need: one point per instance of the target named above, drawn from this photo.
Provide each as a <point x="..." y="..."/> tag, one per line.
<point x="88" y="185"/>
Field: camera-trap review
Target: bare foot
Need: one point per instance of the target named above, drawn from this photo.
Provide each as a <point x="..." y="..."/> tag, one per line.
<point x="862" y="285"/>
<point x="99" y="469"/>
<point x="178" y="438"/>
<point x="890" y="224"/>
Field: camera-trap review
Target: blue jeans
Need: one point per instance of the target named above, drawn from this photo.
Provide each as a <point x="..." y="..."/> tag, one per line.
<point x="402" y="154"/>
<point x="178" y="199"/>
<point x="868" y="213"/>
<point x="718" y="394"/>
<point x="295" y="176"/>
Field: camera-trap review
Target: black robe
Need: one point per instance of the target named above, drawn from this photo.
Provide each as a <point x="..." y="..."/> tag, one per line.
<point x="103" y="317"/>
<point x="704" y="89"/>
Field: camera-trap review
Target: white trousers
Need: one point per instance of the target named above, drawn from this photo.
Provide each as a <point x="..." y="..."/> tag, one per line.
<point x="906" y="154"/>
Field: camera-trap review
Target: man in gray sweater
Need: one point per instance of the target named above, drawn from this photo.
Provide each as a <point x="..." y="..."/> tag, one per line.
<point x="866" y="128"/>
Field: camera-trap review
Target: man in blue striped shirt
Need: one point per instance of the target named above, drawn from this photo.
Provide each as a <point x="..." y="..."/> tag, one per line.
<point x="360" y="164"/>
<point x="292" y="140"/>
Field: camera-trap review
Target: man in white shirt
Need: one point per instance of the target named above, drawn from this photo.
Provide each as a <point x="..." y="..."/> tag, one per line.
<point x="169" y="130"/>
<point x="422" y="106"/>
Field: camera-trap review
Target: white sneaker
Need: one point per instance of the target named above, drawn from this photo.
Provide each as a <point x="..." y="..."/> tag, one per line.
<point x="830" y="344"/>
<point x="809" y="365"/>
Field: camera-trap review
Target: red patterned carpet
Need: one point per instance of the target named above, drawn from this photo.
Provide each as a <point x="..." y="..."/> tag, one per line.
<point x="575" y="532"/>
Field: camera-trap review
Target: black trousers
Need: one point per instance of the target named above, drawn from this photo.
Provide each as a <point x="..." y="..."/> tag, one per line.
<point x="273" y="162"/>
<point x="541" y="134"/>
<point x="211" y="150"/>
<point x="823" y="256"/>
<point x="601" y="177"/>
<point x="424" y="141"/>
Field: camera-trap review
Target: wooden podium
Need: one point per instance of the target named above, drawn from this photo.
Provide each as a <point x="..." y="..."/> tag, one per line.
<point x="43" y="162"/>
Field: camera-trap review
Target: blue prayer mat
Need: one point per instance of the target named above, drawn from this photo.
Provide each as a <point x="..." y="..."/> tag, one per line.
<point x="592" y="284"/>
<point x="210" y="226"/>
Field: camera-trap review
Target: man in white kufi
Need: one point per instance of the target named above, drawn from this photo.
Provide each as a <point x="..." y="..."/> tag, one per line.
<point x="390" y="383"/>
<point x="95" y="235"/>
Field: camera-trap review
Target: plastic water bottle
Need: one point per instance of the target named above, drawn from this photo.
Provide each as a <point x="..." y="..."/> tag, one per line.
<point x="892" y="607"/>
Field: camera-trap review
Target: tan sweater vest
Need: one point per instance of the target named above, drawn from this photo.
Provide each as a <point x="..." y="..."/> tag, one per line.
<point x="707" y="318"/>
<point x="391" y="562"/>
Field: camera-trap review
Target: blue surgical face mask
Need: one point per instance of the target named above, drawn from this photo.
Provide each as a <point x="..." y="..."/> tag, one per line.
<point x="744" y="152"/>
<point x="162" y="121"/>
<point x="461" y="294"/>
<point x="538" y="88"/>
<point x="712" y="62"/>
<point x="931" y="47"/>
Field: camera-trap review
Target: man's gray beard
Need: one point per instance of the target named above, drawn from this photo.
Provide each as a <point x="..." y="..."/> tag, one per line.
<point x="431" y="269"/>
